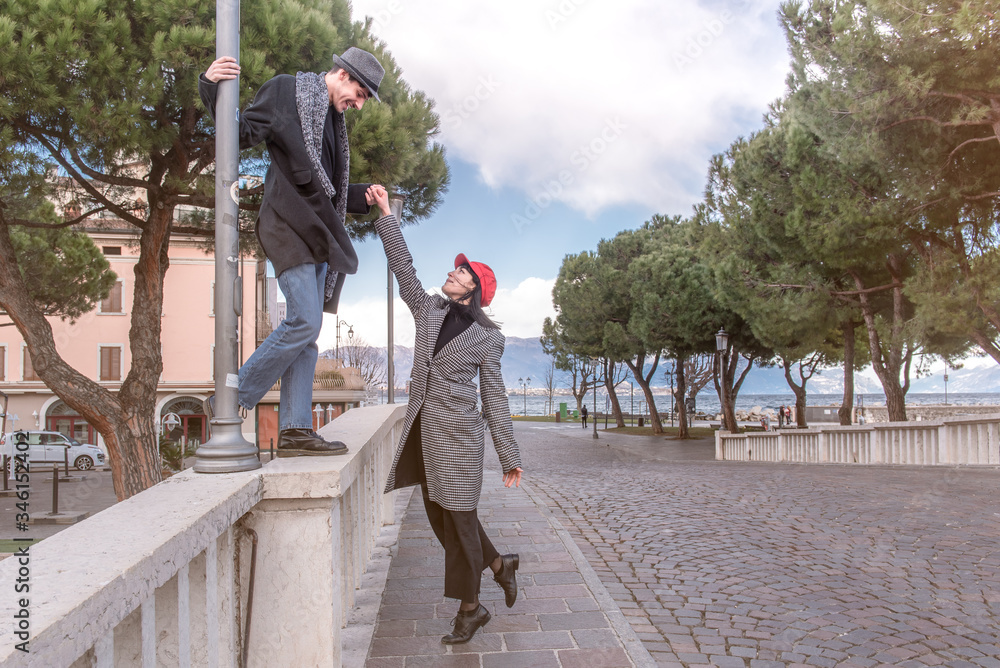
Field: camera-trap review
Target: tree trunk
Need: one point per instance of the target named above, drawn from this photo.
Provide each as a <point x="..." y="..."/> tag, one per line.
<point x="847" y="405"/>
<point x="643" y="380"/>
<point x="682" y="421"/>
<point x="609" y="384"/>
<point x="722" y="387"/>
<point x="800" y="394"/>
<point x="126" y="420"/>
<point x="889" y="361"/>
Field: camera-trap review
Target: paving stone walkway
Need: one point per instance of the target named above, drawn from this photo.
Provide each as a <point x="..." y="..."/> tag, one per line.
<point x="763" y="565"/>
<point x="563" y="615"/>
<point x="630" y="541"/>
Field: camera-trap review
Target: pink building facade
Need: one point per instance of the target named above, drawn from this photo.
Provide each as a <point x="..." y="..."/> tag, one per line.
<point x="97" y="345"/>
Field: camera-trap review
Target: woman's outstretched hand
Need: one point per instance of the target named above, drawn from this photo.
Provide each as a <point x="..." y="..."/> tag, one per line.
<point x="377" y="194"/>
<point x="513" y="477"/>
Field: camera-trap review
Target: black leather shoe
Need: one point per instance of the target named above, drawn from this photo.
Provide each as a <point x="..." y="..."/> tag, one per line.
<point x="299" y="442"/>
<point x="466" y="624"/>
<point x="506" y="577"/>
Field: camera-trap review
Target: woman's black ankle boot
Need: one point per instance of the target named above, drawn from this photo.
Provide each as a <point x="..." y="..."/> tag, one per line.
<point x="466" y="624"/>
<point x="506" y="577"/>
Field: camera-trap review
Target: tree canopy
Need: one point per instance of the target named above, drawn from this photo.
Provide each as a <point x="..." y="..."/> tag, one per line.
<point x="105" y="92"/>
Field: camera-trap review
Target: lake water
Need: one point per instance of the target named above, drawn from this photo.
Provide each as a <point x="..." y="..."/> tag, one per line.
<point x="709" y="403"/>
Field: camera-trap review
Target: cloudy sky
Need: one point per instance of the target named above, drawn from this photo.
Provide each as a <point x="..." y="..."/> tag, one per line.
<point x="565" y="121"/>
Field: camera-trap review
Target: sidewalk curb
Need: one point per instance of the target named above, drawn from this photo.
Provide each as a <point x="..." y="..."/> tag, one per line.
<point x="639" y="655"/>
<point x="356" y="637"/>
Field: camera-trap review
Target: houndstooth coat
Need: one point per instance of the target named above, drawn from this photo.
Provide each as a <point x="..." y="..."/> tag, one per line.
<point x="442" y="394"/>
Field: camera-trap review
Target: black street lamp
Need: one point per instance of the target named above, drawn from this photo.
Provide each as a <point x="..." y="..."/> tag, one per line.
<point x="350" y="334"/>
<point x="673" y="399"/>
<point x="945" y="383"/>
<point x="721" y="346"/>
<point x="524" y="392"/>
<point x="594" y="361"/>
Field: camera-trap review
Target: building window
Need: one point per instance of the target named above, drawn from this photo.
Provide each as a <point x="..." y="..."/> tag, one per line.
<point x="28" y="371"/>
<point x="111" y="363"/>
<point x="113" y="302"/>
<point x="112" y="250"/>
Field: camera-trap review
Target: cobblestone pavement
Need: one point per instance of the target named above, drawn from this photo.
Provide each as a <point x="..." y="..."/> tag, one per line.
<point x="761" y="565"/>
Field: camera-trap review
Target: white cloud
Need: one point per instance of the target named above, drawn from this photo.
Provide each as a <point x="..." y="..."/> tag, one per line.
<point x="369" y="320"/>
<point x="616" y="104"/>
<point x="520" y="311"/>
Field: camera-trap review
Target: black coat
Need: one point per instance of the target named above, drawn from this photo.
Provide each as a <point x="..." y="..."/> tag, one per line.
<point x="297" y="223"/>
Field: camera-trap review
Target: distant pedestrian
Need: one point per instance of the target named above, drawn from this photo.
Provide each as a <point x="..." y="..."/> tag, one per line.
<point x="781" y="416"/>
<point x="583" y="416"/>
<point x="788" y="415"/>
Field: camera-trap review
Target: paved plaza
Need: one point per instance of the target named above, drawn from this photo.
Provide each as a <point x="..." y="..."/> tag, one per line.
<point x="712" y="563"/>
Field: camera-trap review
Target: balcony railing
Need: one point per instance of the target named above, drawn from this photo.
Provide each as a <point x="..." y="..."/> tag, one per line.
<point x="972" y="441"/>
<point x="352" y="382"/>
<point x="164" y="577"/>
<point x="264" y="328"/>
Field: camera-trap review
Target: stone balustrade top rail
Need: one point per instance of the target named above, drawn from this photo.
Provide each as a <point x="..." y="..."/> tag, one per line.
<point x="84" y="581"/>
<point x="959" y="441"/>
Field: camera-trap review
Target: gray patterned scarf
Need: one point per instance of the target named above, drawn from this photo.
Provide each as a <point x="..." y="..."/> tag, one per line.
<point x="312" y="99"/>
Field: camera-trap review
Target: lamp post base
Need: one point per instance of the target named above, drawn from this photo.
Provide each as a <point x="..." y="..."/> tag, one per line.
<point x="227" y="451"/>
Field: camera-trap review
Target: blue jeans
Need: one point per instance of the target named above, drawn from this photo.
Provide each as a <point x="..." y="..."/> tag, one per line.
<point x="290" y="352"/>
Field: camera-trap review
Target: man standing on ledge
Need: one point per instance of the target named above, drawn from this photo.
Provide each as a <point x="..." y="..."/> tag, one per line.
<point x="301" y="223"/>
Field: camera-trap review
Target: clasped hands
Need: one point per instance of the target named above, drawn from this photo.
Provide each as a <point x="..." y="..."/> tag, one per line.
<point x="377" y="194"/>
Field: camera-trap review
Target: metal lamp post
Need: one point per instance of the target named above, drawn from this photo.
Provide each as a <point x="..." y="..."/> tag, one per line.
<point x="524" y="393"/>
<point x="227" y="451"/>
<point x="631" y="398"/>
<point x="721" y="346"/>
<point x="396" y="207"/>
<point x="594" y="362"/>
<point x="673" y="399"/>
<point x="945" y="383"/>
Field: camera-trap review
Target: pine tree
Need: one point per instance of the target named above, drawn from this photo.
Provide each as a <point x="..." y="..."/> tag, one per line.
<point x="106" y="90"/>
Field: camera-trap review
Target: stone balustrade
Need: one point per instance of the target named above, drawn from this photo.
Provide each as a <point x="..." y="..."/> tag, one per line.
<point x="971" y="441"/>
<point x="163" y="578"/>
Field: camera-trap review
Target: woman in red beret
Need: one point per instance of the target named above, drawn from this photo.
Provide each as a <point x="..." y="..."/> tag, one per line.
<point x="442" y="446"/>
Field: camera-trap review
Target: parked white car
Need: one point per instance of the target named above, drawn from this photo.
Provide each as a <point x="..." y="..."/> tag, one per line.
<point x="51" y="447"/>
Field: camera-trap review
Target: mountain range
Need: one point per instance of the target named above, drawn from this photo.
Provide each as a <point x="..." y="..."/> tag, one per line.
<point x="524" y="358"/>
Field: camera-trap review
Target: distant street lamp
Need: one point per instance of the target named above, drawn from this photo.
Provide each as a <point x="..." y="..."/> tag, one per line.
<point x="721" y="347"/>
<point x="945" y="383"/>
<point x="350" y="335"/>
<point x="631" y="396"/>
<point x="318" y="411"/>
<point x="524" y="390"/>
<point x="673" y="400"/>
<point x="594" y="361"/>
